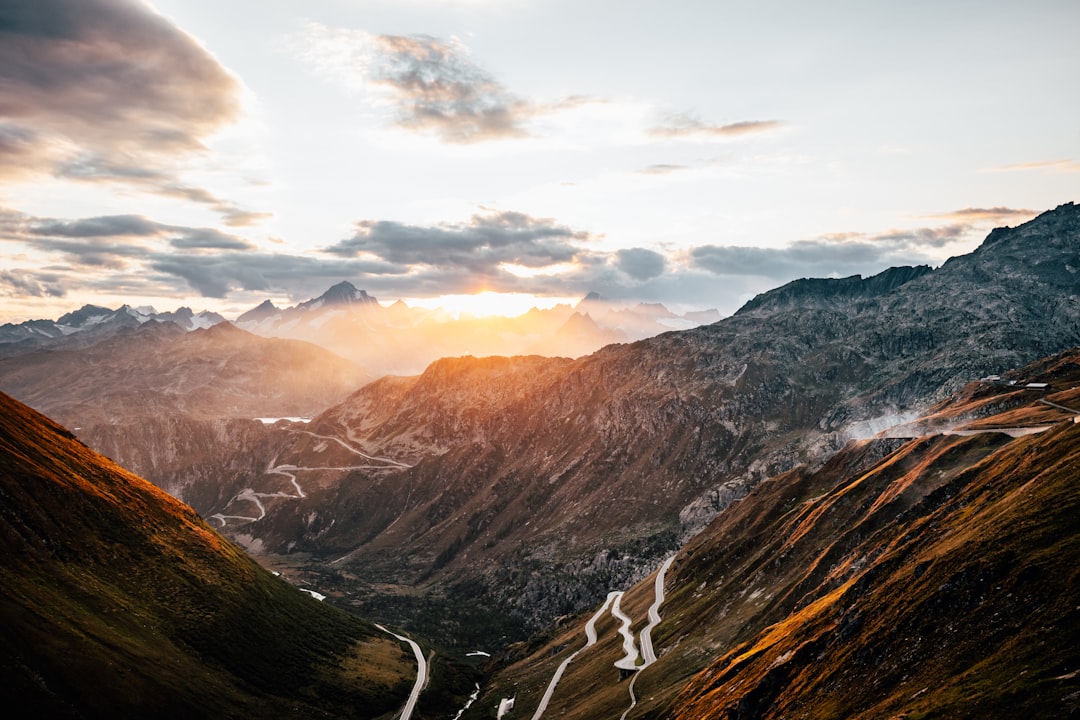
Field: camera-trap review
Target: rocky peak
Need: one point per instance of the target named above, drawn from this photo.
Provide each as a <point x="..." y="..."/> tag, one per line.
<point x="84" y="314"/>
<point x="265" y="309"/>
<point x="344" y="293"/>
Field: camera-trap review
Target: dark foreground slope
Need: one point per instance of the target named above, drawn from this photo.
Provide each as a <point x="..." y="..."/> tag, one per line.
<point x="935" y="576"/>
<point x="118" y="601"/>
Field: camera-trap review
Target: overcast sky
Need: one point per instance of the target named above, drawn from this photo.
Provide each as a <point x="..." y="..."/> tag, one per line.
<point x="692" y="152"/>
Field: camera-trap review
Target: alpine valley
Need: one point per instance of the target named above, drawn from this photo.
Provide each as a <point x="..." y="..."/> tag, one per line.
<point x="854" y="497"/>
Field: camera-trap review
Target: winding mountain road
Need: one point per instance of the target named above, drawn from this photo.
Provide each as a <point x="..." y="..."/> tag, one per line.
<point x="590" y="640"/>
<point x="647" y="652"/>
<point x="361" y="453"/>
<point x="630" y="650"/>
<point x="421" y="673"/>
<point x="290" y="471"/>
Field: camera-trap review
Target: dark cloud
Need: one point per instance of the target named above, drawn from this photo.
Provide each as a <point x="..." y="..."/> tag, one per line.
<point x="479" y="246"/>
<point x="640" y="263"/>
<point x="109" y="75"/>
<point x="94" y="253"/>
<point x="677" y="126"/>
<point x="108" y="91"/>
<point x="208" y="239"/>
<point x="841" y="254"/>
<point x="17" y="283"/>
<point x="112" y="241"/>
<point x="927" y="237"/>
<point x="439" y="88"/>
<point x="216" y="275"/>
<point x="105" y="226"/>
<point x="432" y="84"/>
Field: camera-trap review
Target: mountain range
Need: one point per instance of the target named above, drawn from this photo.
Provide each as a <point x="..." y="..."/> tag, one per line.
<point x="835" y="550"/>
<point x="381" y="340"/>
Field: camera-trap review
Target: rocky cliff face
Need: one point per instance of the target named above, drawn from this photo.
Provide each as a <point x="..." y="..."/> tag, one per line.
<point x="545" y="481"/>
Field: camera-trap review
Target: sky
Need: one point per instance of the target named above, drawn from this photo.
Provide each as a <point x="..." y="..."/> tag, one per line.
<point x="695" y="153"/>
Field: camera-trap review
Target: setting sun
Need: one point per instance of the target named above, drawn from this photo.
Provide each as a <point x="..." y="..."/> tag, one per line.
<point x="489" y="303"/>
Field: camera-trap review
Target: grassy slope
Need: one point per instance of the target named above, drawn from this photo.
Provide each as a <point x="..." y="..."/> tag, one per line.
<point x="963" y="606"/>
<point x="119" y="601"/>
<point x="969" y="612"/>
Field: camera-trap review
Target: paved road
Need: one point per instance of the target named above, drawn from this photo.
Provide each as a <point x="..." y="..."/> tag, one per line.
<point x="590" y="640"/>
<point x="421" y="674"/>
<point x="647" y="652"/>
<point x="630" y="653"/>
<point x="361" y="453"/>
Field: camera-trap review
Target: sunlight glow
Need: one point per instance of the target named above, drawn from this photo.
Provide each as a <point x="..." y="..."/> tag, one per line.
<point x="489" y="303"/>
<point x="523" y="271"/>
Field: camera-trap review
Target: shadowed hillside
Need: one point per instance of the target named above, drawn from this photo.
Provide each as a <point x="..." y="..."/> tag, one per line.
<point x="118" y="601"/>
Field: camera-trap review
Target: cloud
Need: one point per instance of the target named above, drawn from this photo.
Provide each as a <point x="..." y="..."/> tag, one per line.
<point x="19" y="283"/>
<point x="439" y="88"/>
<point x="925" y="237"/>
<point x="687" y="126"/>
<point x="501" y="251"/>
<point x="479" y="246"/>
<point x="109" y="75"/>
<point x="430" y="84"/>
<point x="833" y="255"/>
<point x="216" y="275"/>
<point x="1048" y="165"/>
<point x="97" y="227"/>
<point x="108" y="91"/>
<point x="112" y="241"/>
<point x="640" y="263"/>
<point x="992" y="214"/>
<point x="208" y="239"/>
<point x="662" y="169"/>
<point x="89" y="167"/>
